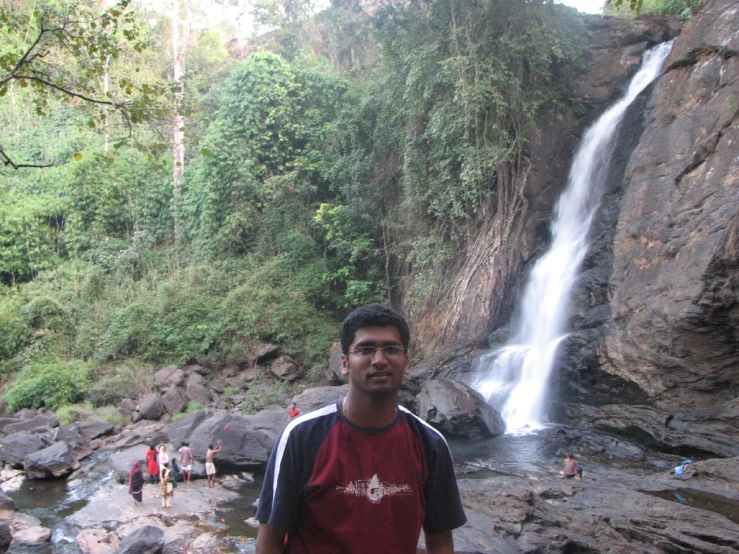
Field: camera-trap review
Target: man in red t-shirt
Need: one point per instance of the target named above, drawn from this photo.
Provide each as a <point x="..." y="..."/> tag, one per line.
<point x="361" y="475"/>
<point x="294" y="411"/>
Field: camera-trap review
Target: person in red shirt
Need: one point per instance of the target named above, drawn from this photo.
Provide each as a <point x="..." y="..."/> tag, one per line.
<point x="361" y="475"/>
<point x="294" y="411"/>
<point x="152" y="466"/>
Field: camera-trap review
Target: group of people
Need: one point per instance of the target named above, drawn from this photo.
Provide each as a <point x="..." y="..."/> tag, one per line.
<point x="362" y="458"/>
<point x="166" y="472"/>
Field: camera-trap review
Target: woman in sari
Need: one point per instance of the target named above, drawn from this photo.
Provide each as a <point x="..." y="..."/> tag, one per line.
<point x="136" y="484"/>
<point x="152" y="467"/>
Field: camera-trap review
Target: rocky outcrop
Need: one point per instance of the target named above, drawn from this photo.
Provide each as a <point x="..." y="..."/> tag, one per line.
<point x="55" y="461"/>
<point x="144" y="540"/>
<point x="657" y="311"/>
<point x="456" y="409"/>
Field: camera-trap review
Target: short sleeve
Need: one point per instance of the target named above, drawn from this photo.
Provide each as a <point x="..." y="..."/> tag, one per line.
<point x="444" y="510"/>
<point x="279" y="500"/>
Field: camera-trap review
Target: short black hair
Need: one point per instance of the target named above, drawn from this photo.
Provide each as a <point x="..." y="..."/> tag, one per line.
<point x="372" y="315"/>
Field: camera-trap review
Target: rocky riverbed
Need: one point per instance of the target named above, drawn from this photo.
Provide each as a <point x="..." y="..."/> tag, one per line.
<point x="627" y="502"/>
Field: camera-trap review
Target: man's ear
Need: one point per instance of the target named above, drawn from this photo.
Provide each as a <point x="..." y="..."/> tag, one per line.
<point x="344" y="365"/>
<point x="407" y="370"/>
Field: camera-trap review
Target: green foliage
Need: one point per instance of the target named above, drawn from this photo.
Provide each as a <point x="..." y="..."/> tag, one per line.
<point x="48" y="385"/>
<point x="113" y="383"/>
<point x="661" y="7"/>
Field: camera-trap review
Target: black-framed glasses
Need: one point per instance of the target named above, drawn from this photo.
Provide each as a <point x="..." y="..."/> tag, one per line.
<point x="390" y="350"/>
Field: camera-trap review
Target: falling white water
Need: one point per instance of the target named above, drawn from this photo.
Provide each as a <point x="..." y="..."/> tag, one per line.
<point x="513" y="379"/>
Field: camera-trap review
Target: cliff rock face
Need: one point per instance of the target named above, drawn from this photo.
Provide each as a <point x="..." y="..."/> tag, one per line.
<point x="484" y="292"/>
<point x="672" y="334"/>
<point x="654" y="348"/>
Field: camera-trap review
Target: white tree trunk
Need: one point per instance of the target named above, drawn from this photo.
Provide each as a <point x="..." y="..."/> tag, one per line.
<point x="179" y="53"/>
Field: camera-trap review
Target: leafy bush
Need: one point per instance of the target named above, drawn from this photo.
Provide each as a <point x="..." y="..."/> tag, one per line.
<point x="48" y="385"/>
<point x="118" y="381"/>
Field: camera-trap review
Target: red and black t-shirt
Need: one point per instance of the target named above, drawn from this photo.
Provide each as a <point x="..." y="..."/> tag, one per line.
<point x="336" y="488"/>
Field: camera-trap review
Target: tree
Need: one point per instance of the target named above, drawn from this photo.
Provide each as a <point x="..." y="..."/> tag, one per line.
<point x="63" y="50"/>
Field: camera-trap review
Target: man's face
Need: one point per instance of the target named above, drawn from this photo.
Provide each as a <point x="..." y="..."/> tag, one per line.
<point x="379" y="373"/>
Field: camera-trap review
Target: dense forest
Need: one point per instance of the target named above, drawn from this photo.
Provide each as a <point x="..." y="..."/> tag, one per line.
<point x="174" y="192"/>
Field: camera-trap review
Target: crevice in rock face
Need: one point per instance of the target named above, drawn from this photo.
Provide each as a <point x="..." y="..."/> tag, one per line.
<point x="705" y="148"/>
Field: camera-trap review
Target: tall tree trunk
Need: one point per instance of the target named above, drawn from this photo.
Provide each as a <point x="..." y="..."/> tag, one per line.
<point x="179" y="54"/>
<point x="106" y="115"/>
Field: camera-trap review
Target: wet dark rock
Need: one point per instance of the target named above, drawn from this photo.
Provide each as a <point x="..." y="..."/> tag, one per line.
<point x="54" y="461"/>
<point x="7" y="503"/>
<point x="80" y="445"/>
<point x="456" y="409"/>
<point x="144" y="540"/>
<point x="152" y="407"/>
<point x="14" y="448"/>
<point x="6" y="535"/>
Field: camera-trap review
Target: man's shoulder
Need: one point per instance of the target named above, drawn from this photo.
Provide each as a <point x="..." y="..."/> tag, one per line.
<point x="429" y="435"/>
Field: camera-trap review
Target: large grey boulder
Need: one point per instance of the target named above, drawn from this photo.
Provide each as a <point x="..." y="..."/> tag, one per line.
<point x="152" y="407"/>
<point x="5" y="421"/>
<point x="14" y="448"/>
<point x="95" y="429"/>
<point x="285" y="368"/>
<point x="79" y="443"/>
<point x="41" y="420"/>
<point x="144" y="540"/>
<point x="7" y="504"/>
<point x="96" y="541"/>
<point x="54" y="461"/>
<point x="247" y="440"/>
<point x="168" y="377"/>
<point x="175" y="400"/>
<point x="456" y="409"/>
<point x="199" y="393"/>
<point x="310" y="399"/>
<point x="25" y="413"/>
<point x="262" y="353"/>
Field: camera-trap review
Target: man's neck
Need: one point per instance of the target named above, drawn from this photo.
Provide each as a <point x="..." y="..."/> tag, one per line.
<point x="372" y="412"/>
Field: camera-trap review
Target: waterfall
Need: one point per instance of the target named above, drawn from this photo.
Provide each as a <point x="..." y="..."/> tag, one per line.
<point x="513" y="379"/>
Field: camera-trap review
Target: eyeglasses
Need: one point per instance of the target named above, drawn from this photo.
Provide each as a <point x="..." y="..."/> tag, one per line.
<point x="391" y="350"/>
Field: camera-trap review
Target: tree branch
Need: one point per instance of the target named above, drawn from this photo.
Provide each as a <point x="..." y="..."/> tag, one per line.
<point x="7" y="161"/>
<point x="71" y="92"/>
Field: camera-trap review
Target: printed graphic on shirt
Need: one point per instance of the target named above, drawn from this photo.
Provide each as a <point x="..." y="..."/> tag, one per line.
<point x="374" y="490"/>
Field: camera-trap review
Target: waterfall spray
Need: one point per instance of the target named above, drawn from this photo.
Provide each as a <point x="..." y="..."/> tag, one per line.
<point x="513" y="379"/>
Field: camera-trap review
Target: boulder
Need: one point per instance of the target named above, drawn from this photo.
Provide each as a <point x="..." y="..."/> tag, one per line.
<point x="333" y="373"/>
<point x="122" y="461"/>
<point x="152" y="407"/>
<point x="41" y="420"/>
<point x="285" y="368"/>
<point x="28" y="531"/>
<point x="14" y="448"/>
<point x="262" y="353"/>
<point x="175" y="400"/>
<point x="25" y="413"/>
<point x="310" y="399"/>
<point x="96" y="541"/>
<point x="168" y="377"/>
<point x="195" y="379"/>
<point x="247" y="440"/>
<point x="144" y="540"/>
<point x="95" y="429"/>
<point x="5" y="421"/>
<point x="196" y="368"/>
<point x="7" y="504"/>
<point x="128" y="405"/>
<point x="79" y="443"/>
<point x="199" y="394"/>
<point x="456" y="409"/>
<point x="51" y="462"/>
<point x="6" y="535"/>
